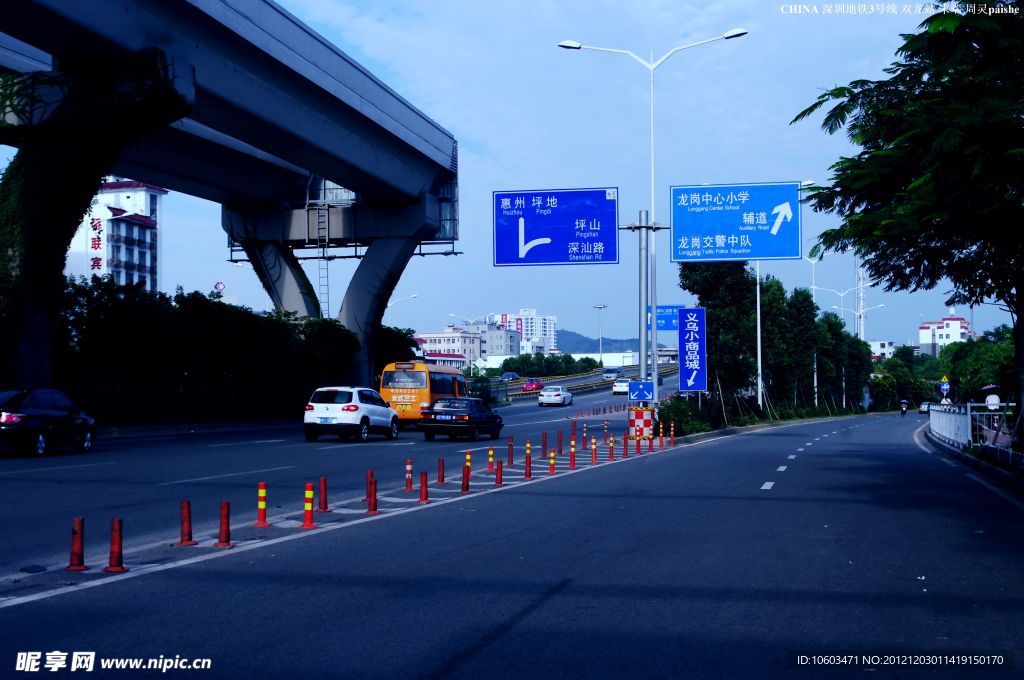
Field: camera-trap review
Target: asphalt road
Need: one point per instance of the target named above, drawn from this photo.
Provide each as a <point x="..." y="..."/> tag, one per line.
<point x="142" y="479"/>
<point x="730" y="558"/>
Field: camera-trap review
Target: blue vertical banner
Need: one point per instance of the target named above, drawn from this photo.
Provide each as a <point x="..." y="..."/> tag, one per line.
<point x="693" y="350"/>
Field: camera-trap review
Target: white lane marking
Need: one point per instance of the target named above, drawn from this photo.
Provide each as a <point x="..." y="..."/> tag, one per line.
<point x="328" y="448"/>
<point x="817" y="439"/>
<point x="781" y="468"/>
<point x="999" y="492"/>
<point x="834" y="432"/>
<point x="59" y="467"/>
<point x="948" y="462"/>
<point x="824" y="435"/>
<point x="232" y="474"/>
<point x="791" y="456"/>
<point x="256" y="441"/>
<point x="808" y="444"/>
<point x="767" y="485"/>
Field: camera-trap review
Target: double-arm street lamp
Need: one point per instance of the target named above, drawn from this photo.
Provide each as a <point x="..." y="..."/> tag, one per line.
<point x="394" y="302"/>
<point x="648" y="267"/>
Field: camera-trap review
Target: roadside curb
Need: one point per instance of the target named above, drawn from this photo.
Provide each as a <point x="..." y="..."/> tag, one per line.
<point x="1005" y="476"/>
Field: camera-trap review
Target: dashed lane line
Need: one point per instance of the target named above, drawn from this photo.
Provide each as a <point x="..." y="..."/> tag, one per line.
<point x="767" y="486"/>
<point x="232" y="474"/>
<point x="57" y="467"/>
<point x="781" y="468"/>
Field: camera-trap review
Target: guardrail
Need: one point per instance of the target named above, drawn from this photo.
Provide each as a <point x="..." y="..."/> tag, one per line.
<point x="582" y="387"/>
<point x="963" y="425"/>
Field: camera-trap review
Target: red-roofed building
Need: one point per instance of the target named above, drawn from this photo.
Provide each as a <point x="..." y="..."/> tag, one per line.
<point x="446" y="359"/>
<point x="118" y="236"/>
<point x="934" y="335"/>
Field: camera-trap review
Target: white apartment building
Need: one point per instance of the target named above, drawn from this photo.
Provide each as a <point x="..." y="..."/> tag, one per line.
<point x="934" y="335"/>
<point x="118" y="236"/>
<point x="882" y="349"/>
<point x="496" y="340"/>
<point x="453" y="340"/>
<point x="538" y="333"/>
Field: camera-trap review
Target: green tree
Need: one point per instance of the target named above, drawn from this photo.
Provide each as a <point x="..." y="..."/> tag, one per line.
<point x="726" y="291"/>
<point x="70" y="127"/>
<point x="803" y="343"/>
<point x="935" y="189"/>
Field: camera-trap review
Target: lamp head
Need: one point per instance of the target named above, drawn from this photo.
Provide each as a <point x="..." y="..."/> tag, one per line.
<point x="734" y="33"/>
<point x="570" y="45"/>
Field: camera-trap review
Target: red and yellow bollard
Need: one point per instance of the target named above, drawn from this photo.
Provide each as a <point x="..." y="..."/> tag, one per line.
<point x="611" y="447"/>
<point x="672" y="433"/>
<point x="469" y="463"/>
<point x="371" y="496"/>
<point x="307" y="509"/>
<point x="511" y="455"/>
<point x="116" y="563"/>
<point x="528" y="474"/>
<point x="551" y="457"/>
<point x="490" y="459"/>
<point x="593" y="451"/>
<point x="661" y="436"/>
<point x="497" y="476"/>
<point x="408" y="476"/>
<point x="77" y="561"/>
<point x="572" y="454"/>
<point x="466" y="472"/>
<point x="440" y="470"/>
<point x="606" y="430"/>
<point x="261" y="506"/>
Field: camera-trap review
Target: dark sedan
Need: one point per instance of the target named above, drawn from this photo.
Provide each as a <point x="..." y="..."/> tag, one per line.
<point x="38" y="420"/>
<point x="460" y="417"/>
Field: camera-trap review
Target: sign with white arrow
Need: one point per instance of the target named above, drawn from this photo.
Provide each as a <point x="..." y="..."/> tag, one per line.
<point x="720" y="222"/>
<point x="693" y="350"/>
<point x="641" y="390"/>
<point x="556" y="226"/>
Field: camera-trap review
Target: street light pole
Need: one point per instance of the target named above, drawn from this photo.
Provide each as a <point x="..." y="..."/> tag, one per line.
<point x="814" y="300"/>
<point x="393" y="302"/>
<point x="600" y="332"/>
<point x="648" y="266"/>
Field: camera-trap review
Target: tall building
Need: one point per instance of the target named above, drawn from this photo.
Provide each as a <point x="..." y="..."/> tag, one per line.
<point x="118" y="236"/>
<point x="537" y="332"/>
<point x="934" y="335"/>
<point x="882" y="349"/>
<point x="496" y="340"/>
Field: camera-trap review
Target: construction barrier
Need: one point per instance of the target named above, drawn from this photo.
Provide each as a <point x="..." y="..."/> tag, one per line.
<point x="423" y="489"/>
<point x="224" y="535"/>
<point x="116" y="563"/>
<point x="371" y="495"/>
<point x="322" y="496"/>
<point x="77" y="560"/>
<point x="186" y="524"/>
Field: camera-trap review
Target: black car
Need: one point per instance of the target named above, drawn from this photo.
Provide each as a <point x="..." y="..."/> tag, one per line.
<point x="38" y="420"/>
<point x="509" y="376"/>
<point x="460" y="416"/>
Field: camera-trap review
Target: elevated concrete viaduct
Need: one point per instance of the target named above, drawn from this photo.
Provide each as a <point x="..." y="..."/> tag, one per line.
<point x="302" y="147"/>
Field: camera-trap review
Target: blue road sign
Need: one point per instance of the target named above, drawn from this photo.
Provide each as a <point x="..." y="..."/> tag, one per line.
<point x="719" y="222"/>
<point x="641" y="390"/>
<point x="668" y="317"/>
<point x="944" y="388"/>
<point x="558" y="226"/>
<point x="693" y="350"/>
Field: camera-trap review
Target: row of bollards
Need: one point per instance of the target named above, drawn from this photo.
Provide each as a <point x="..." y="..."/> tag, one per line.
<point x="497" y="467"/>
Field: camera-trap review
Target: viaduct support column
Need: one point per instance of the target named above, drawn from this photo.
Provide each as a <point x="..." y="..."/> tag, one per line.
<point x="273" y="260"/>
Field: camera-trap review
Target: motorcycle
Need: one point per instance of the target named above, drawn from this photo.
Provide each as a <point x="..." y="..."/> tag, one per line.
<point x="903" y="409"/>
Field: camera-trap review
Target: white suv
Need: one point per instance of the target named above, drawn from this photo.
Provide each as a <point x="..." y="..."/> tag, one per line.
<point x="620" y="386"/>
<point x="349" y="411"/>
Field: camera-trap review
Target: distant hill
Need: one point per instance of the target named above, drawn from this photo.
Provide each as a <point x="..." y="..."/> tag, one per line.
<point x="574" y="343"/>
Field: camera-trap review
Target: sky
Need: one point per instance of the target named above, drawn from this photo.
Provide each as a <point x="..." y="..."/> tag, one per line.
<point x="528" y="115"/>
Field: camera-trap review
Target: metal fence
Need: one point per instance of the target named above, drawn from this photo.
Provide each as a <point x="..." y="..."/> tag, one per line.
<point x="962" y="425"/>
